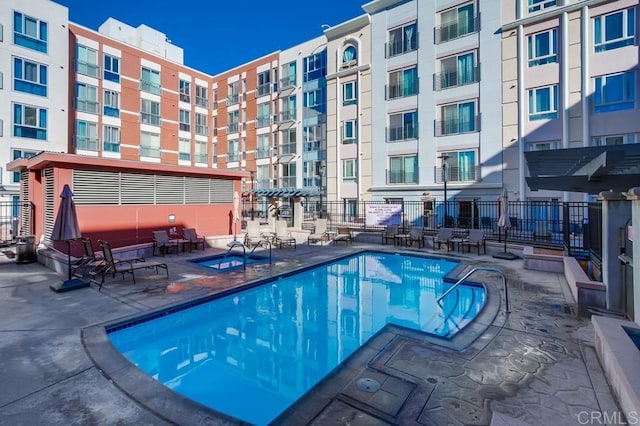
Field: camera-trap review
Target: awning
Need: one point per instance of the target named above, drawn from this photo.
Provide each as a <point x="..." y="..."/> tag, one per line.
<point x="590" y="169"/>
<point x="285" y="192"/>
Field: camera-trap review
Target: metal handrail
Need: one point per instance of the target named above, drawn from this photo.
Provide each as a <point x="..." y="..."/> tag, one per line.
<point x="481" y="268"/>
<point x="262" y="243"/>
<point x="231" y="245"/>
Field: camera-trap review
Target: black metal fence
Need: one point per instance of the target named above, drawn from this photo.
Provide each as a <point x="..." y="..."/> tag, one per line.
<point x="9" y="221"/>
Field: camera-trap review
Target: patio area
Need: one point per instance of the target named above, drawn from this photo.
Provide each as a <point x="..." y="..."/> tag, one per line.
<point x="536" y="365"/>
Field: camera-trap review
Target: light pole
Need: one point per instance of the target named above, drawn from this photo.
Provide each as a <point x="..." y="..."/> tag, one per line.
<point x="319" y="171"/>
<point x="251" y="196"/>
<point x="444" y="157"/>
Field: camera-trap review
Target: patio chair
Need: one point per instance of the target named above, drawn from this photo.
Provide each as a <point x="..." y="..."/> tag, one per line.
<point x="417" y="235"/>
<point x="88" y="260"/>
<point x="283" y="236"/>
<point x="343" y="234"/>
<point x="475" y="239"/>
<point x="444" y="236"/>
<point x="120" y="266"/>
<point x="390" y="234"/>
<point x="193" y="238"/>
<point x="162" y="241"/>
<point x="253" y="236"/>
<point x="319" y="234"/>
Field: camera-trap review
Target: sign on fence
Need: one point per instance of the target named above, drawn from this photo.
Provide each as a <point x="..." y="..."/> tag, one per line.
<point x="384" y="214"/>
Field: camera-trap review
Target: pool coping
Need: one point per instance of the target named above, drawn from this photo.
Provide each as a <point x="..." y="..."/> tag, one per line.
<point x="173" y="407"/>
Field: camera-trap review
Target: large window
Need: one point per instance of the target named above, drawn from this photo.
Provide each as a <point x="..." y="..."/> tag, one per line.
<point x="263" y="150"/>
<point x="288" y="112"/>
<point x="86" y="135"/>
<point x="86" y="61"/>
<point x="233" y="153"/>
<point x="456" y="23"/>
<point x="149" y="145"/>
<point x="289" y="141"/>
<point x="403" y="39"/>
<point x="460" y="166"/>
<point x="615" y="92"/>
<point x="349" y="56"/>
<point x="233" y="94"/>
<point x="111" y="68"/>
<point x="184" y="149"/>
<point x="614" y="30"/>
<point x="457" y="71"/>
<point x="349" y="93"/>
<point x="288" y="76"/>
<point x="233" y="120"/>
<point x="29" y="122"/>
<point x="29" y="77"/>
<point x="312" y="137"/>
<point x="458" y="118"/>
<point x="185" y="120"/>
<point x="264" y="83"/>
<point x="542" y="48"/>
<point x="403" y="83"/>
<point x="614" y="140"/>
<point x="403" y="169"/>
<point x="111" y="102"/>
<point x="150" y="81"/>
<point x="349" y="131"/>
<point x="313" y="99"/>
<point x="201" y="96"/>
<point x="263" y="117"/>
<point x="86" y="98"/>
<point x="150" y="112"/>
<point x="536" y="5"/>
<point x="30" y="32"/>
<point x="543" y="103"/>
<point x="403" y="126"/>
<point x="185" y="91"/>
<point x="200" y="152"/>
<point x="315" y="66"/>
<point x="111" y="139"/>
<point x="201" y="124"/>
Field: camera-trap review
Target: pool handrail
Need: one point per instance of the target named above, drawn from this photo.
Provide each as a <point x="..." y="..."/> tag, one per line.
<point x="236" y="243"/>
<point x="481" y="268"/>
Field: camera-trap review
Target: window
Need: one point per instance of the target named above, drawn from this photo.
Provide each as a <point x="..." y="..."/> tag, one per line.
<point x="29" y="77"/>
<point x="200" y="152"/>
<point x="543" y="103"/>
<point x="233" y="95"/>
<point x="111" y="101"/>
<point x="185" y="91"/>
<point x="536" y="5"/>
<point x="615" y="92"/>
<point x="150" y="112"/>
<point x="315" y="66"/>
<point x="288" y="76"/>
<point x="149" y="145"/>
<point x="403" y="169"/>
<point x="614" y="140"/>
<point x="403" y="83"/>
<point x="457" y="71"/>
<point x="86" y="61"/>
<point x="263" y="150"/>
<point x="349" y="93"/>
<point x="184" y="120"/>
<point x="542" y="146"/>
<point x="201" y="96"/>
<point x="86" y="98"/>
<point x="312" y="138"/>
<point x="288" y="112"/>
<point x="456" y="23"/>
<point x="201" y="124"/>
<point x="21" y="153"/>
<point x="263" y="117"/>
<point x="86" y="136"/>
<point x="233" y="153"/>
<point x="264" y="83"/>
<point x="542" y="48"/>
<point x="233" y="119"/>
<point x="29" y="122"/>
<point x="150" y="81"/>
<point x="184" y="149"/>
<point x="29" y="32"/>
<point x="111" y="68"/>
<point x="349" y="131"/>
<point x="403" y="40"/>
<point x="349" y="56"/>
<point x="313" y="99"/>
<point x="349" y="169"/>
<point x="614" y="30"/>
<point x="460" y="166"/>
<point x="288" y="179"/>
<point x="289" y="141"/>
<point x="458" y="118"/>
<point x="214" y="153"/>
<point x="215" y="99"/>
<point x="111" y="139"/>
<point x="403" y="126"/>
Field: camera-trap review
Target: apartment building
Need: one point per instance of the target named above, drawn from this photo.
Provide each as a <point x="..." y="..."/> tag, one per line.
<point x="436" y="108"/>
<point x="34" y="54"/>
<point x="570" y="79"/>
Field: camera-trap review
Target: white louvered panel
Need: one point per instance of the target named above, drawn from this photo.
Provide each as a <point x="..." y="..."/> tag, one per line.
<point x="196" y="190"/>
<point x="136" y="188"/>
<point x="25" y="205"/>
<point x="169" y="189"/>
<point x="49" y="203"/>
<point x="96" y="187"/>
<point x="221" y="191"/>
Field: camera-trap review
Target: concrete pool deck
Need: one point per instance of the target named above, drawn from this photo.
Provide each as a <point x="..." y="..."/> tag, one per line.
<point x="537" y="365"/>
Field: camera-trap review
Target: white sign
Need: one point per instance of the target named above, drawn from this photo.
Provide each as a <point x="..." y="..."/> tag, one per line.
<point x="384" y="214"/>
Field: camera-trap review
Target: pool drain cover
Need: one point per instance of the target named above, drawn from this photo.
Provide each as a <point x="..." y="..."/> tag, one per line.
<point x="368" y="385"/>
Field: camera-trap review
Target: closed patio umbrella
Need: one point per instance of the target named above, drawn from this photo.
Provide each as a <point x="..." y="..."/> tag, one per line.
<point x="236" y="212"/>
<point x="504" y="222"/>
<point x="66" y="229"/>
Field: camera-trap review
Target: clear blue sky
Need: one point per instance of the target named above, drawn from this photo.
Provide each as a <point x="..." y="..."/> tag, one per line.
<point x="222" y="34"/>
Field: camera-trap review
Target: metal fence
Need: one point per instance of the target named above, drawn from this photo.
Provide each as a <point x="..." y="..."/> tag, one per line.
<point x="11" y="214"/>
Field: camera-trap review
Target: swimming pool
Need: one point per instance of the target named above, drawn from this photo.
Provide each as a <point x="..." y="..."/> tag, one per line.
<point x="271" y="343"/>
<point x="228" y="261"/>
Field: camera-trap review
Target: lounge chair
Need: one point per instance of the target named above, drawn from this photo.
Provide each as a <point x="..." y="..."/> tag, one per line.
<point x="444" y="236"/>
<point x="390" y="234"/>
<point x="319" y="233"/>
<point x="283" y="237"/>
<point x="416" y="235"/>
<point x="87" y="261"/>
<point x="193" y="238"/>
<point x="253" y="236"/>
<point x="112" y="266"/>
<point x="475" y="239"/>
<point x="162" y="241"/>
<point x="343" y="234"/>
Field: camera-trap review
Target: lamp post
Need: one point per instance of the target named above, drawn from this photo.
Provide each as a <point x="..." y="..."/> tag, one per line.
<point x="319" y="171"/>
<point x="444" y="157"/>
<point x="251" y="196"/>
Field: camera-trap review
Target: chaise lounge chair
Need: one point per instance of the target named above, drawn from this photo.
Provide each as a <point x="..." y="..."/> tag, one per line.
<point x="343" y="234"/>
<point x="320" y="232"/>
<point x="283" y="237"/>
<point x="253" y="236"/>
<point x="89" y="260"/>
<point x="112" y="266"/>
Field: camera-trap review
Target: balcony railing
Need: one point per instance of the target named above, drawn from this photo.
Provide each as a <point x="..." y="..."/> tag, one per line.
<point x="202" y="102"/>
<point x="150" y="152"/>
<point x="400" y="47"/>
<point x="185" y="127"/>
<point x="396" y="134"/>
<point x="202" y="130"/>
<point x="457" y="174"/>
<point x="287" y="116"/>
<point x="287" y="82"/>
<point x="233" y="156"/>
<point x="403" y="90"/>
<point x="200" y="158"/>
<point x="92" y="70"/>
<point x="263" y="152"/>
<point x="233" y="99"/>
<point x="263" y="184"/>
<point x="184" y="156"/>
<point x="86" y="143"/>
<point x="84" y="105"/>
<point x="313" y="146"/>
<point x="110" y="146"/>
<point x="152" y="119"/>
<point x="263" y="89"/>
<point x="184" y="97"/>
<point x="452" y="30"/>
<point x="288" y="182"/>
<point x="150" y="87"/>
<point x="263" y="121"/>
<point x="447" y="79"/>
<point x="287" y="149"/>
<point x="232" y="128"/>
<point x="456" y="126"/>
<point x="402" y="176"/>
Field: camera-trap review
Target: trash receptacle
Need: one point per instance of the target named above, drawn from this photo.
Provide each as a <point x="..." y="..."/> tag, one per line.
<point x="26" y="249"/>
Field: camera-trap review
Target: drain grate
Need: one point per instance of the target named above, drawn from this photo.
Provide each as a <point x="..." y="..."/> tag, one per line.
<point x="368" y="385"/>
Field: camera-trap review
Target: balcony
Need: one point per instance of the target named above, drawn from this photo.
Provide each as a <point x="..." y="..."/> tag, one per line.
<point x="185" y="98"/>
<point x="150" y="87"/>
<point x="288" y="182"/>
<point x="287" y="82"/>
<point x="233" y="99"/>
<point x="455" y="29"/>
<point x="83" y="105"/>
<point x="263" y="121"/>
<point x="286" y="116"/>
<point x="400" y="47"/>
<point x="149" y="152"/>
<point x="86" y="143"/>
<point x="263" y="89"/>
<point x="111" y="146"/>
<point x="184" y="156"/>
<point x="152" y="119"/>
<point x="457" y="126"/>
<point x="287" y="148"/>
<point x="202" y="130"/>
<point x="263" y="152"/>
<point x="86" y="68"/>
<point x="458" y="174"/>
<point x="202" y="102"/>
<point x="396" y="134"/>
<point x="233" y="156"/>
<point x="400" y="91"/>
<point x="232" y="128"/>
<point x="185" y="127"/>
<point x="447" y="79"/>
<point x="200" y="158"/>
<point x="402" y="176"/>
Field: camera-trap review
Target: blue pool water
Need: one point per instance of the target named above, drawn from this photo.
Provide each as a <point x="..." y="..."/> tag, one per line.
<point x="229" y="261"/>
<point x="251" y="354"/>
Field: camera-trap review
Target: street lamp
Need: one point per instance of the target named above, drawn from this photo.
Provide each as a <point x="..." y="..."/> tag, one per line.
<point x="251" y="196"/>
<point x="319" y="170"/>
<point x="444" y="157"/>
